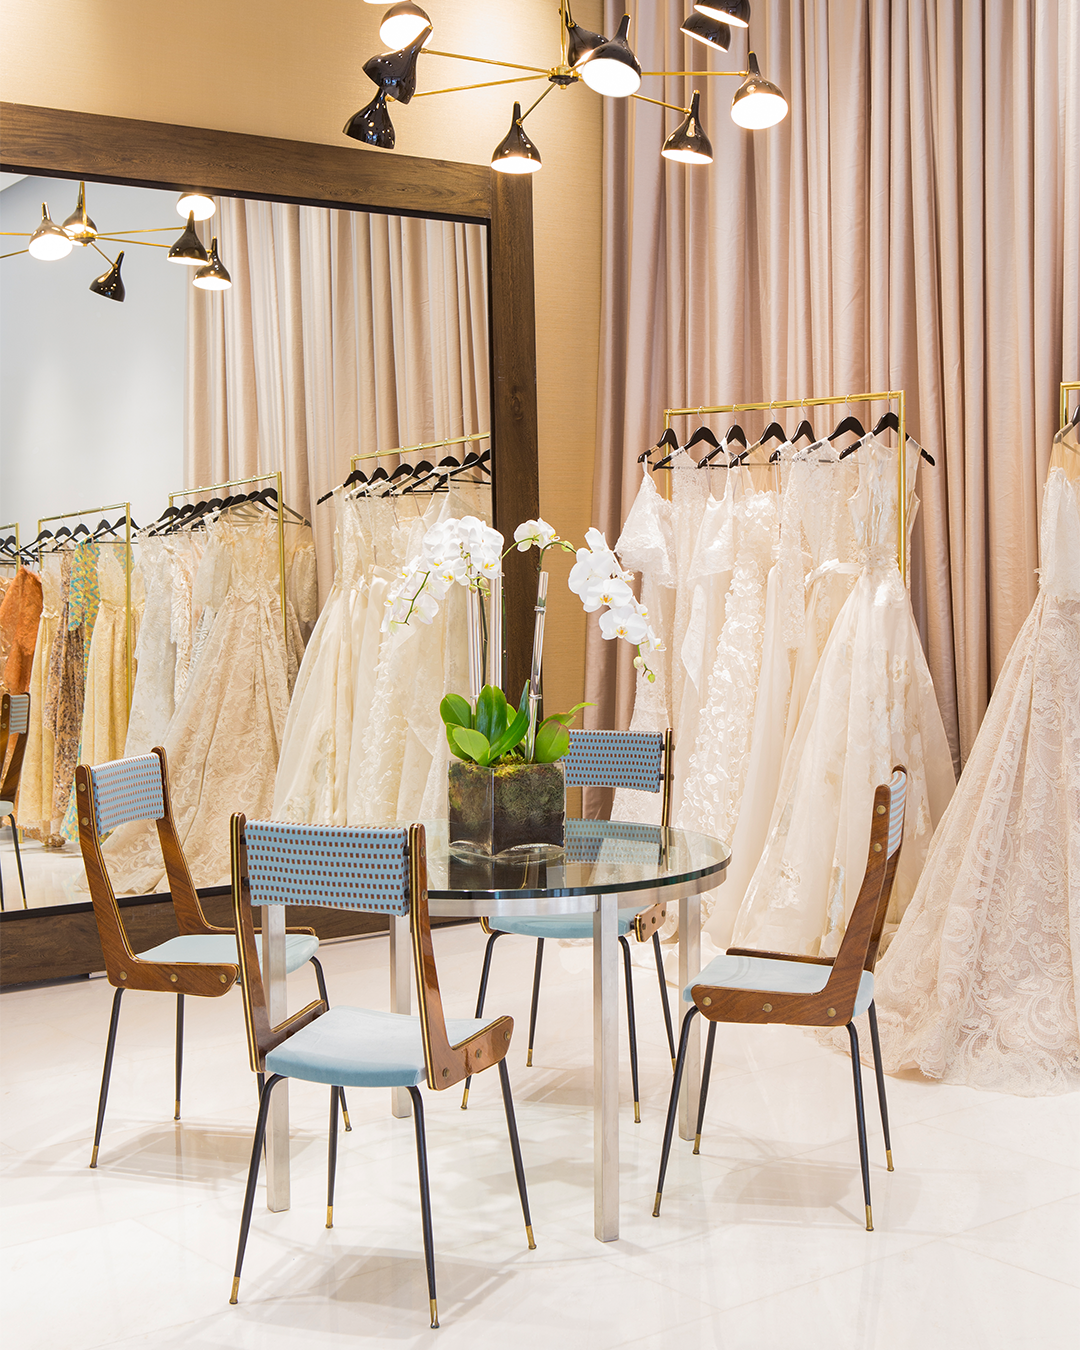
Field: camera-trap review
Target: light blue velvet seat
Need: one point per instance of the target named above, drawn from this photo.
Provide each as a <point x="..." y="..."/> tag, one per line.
<point x="753" y="987"/>
<point x="218" y="948"/>
<point x="380" y="870"/>
<point x="620" y="759"/>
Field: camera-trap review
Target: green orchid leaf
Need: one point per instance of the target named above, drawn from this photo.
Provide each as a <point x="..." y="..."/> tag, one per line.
<point x="523" y="706"/>
<point x="456" y="711"/>
<point x="552" y="742"/>
<point x="491" y="712"/>
<point x="567" y="717"/>
<point x="512" y="736"/>
<point x="472" y="744"/>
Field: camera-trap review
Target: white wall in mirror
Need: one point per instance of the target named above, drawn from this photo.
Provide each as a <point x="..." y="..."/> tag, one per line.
<point x="91" y="391"/>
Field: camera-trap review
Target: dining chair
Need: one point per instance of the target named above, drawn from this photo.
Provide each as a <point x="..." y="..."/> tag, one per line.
<point x="751" y="986"/>
<point x="381" y="870"/>
<point x="619" y="759"/>
<point x="203" y="959"/>
<point x="14" y="724"/>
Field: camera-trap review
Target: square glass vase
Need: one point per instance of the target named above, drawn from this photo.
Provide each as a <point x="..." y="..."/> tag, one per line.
<point x="507" y="810"/>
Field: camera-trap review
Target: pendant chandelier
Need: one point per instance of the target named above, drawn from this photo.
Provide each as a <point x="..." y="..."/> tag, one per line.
<point x="51" y="242"/>
<point x="607" y="65"/>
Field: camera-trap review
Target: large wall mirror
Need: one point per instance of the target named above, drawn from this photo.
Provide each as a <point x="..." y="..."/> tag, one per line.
<point x="377" y="302"/>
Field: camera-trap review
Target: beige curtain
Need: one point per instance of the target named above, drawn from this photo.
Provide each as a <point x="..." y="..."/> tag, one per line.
<point x="343" y="334"/>
<point x="911" y="225"/>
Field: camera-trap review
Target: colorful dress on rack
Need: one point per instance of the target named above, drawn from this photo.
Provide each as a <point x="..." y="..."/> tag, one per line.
<point x="34" y="810"/>
<point x="871" y="705"/>
<point x="20" y="615"/>
<point x="981" y="984"/>
<point x="66" y="689"/>
<point x="105" y="704"/>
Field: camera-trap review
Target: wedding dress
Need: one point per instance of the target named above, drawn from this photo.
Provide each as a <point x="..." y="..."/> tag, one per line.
<point x="870" y="705"/>
<point x="222" y="743"/>
<point x="979" y="985"/>
<point x="105" y="704"/>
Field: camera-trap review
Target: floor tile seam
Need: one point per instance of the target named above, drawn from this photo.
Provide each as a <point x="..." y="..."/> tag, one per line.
<point x="1010" y="1147"/>
<point x="1012" y="1265"/>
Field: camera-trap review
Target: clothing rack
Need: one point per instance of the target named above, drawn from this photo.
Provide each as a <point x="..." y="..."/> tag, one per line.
<point x="275" y="475"/>
<point x="4" y="537"/>
<point x="128" y="634"/>
<point x="427" y="445"/>
<point x="888" y="395"/>
<point x="1067" y="387"/>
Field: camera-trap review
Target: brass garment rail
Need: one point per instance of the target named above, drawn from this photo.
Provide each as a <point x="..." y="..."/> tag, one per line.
<point x="4" y="536"/>
<point x="427" y="445"/>
<point x="275" y="476"/>
<point x="129" y="636"/>
<point x="1067" y="387"/>
<point x="884" y="396"/>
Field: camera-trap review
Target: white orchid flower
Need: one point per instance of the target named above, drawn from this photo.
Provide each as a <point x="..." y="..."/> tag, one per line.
<point x="623" y="622"/>
<point x="610" y="591"/>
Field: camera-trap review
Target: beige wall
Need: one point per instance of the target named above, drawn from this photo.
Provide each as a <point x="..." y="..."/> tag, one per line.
<point x="282" y="69"/>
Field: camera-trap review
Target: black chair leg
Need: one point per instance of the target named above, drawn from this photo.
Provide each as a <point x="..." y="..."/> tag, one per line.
<point x="179" y="1053"/>
<point x="481" y="995"/>
<point x="880" y="1075"/>
<point x="331" y="1157"/>
<point x="631" y="1024"/>
<point x="706" y="1070"/>
<point x="253" y="1177"/>
<point x="320" y="980"/>
<point x="673" y="1107"/>
<point x="515" y="1149"/>
<point x="535" y="999"/>
<point x="425" y="1201"/>
<point x="664" y="1000"/>
<point x="18" y="860"/>
<point x="106" y="1073"/>
<point x="860" y="1121"/>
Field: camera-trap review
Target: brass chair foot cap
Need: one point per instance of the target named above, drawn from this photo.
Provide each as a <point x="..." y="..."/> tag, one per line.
<point x="434" y="1314"/>
<point x="93" y="1157"/>
<point x="235" y="1289"/>
<point x="528" y="1059"/>
<point x="465" y="1100"/>
<point x="637" y="1113"/>
<point x="888" y="1159"/>
<point x="529" y="1235"/>
<point x="329" y="1216"/>
<point x="869" y="1220"/>
<point x="348" y="1122"/>
<point x="656" y="1206"/>
<point x="697" y="1143"/>
<point x="673" y="1066"/>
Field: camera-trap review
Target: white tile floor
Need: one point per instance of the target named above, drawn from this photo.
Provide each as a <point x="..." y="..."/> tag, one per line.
<point x="760" y="1243"/>
<point x="52" y="876"/>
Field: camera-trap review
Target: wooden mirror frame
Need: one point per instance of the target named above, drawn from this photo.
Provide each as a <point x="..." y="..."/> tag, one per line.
<point x="61" y="941"/>
<point x="54" y="143"/>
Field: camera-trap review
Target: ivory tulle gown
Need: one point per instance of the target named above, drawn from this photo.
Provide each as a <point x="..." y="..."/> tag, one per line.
<point x="979" y="985"/>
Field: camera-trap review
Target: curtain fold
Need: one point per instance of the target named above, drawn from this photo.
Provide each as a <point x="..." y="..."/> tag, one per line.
<point x="912" y="225"/>
<point x="343" y="334"/>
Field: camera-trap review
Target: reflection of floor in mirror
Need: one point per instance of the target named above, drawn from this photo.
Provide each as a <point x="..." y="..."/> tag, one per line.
<point x="760" y="1243"/>
<point x="52" y="875"/>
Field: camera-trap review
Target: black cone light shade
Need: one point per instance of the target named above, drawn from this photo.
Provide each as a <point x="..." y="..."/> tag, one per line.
<point x="516" y="153"/>
<point x="580" y="43"/>
<point x="372" y="124"/>
<point x="78" y="225"/>
<point x="395" y="72"/>
<point x="734" y="12"/>
<point x="49" y="242"/>
<point x="402" y="23"/>
<point x="612" y="69"/>
<point x="688" y="143"/>
<point x="110" y="284"/>
<point x="188" y="248"/>
<point x="710" y="31"/>
<point x="212" y="277"/>
<point x="757" y="103"/>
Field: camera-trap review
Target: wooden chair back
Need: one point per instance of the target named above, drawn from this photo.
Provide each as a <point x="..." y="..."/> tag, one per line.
<point x="376" y="869"/>
<point x="107" y="796"/>
<point x="14" y="724"/>
<point x="834" y="1005"/>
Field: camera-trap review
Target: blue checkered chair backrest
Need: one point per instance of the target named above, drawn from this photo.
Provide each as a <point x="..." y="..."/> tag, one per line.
<point x="898" y="788"/>
<point x="341" y="866"/>
<point x="620" y="759"/>
<point x="127" y="789"/>
<point x="18" y="713"/>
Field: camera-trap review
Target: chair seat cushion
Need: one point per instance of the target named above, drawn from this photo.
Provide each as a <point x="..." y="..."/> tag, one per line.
<point x="777" y="977"/>
<point x="559" y="925"/>
<point x="214" y="949"/>
<point x="6" y="807"/>
<point x="355" y="1047"/>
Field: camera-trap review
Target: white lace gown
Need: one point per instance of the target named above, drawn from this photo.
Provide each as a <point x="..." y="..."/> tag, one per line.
<point x="223" y="740"/>
<point x="979" y="985"/>
<point x="105" y="702"/>
<point x="871" y="705"/>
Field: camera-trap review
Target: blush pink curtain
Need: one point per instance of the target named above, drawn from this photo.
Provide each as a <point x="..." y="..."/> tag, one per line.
<point x="912" y="225"/>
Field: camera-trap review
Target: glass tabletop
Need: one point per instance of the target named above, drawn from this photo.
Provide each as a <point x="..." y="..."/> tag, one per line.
<point x="601" y="857"/>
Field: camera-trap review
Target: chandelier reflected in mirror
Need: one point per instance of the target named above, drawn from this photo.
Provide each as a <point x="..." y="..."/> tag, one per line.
<point x="50" y="242"/>
<point x="607" y="65"/>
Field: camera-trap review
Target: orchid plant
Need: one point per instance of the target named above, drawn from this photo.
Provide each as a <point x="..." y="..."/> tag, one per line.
<point x="468" y="553"/>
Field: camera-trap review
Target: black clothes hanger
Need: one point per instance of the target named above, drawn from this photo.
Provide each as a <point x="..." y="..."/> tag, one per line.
<point x="890" y="422"/>
<point x="851" y="424"/>
<point x="667" y="439"/>
<point x="804" y="429"/>
<point x="702" y="434"/>
<point x="1075" y="421"/>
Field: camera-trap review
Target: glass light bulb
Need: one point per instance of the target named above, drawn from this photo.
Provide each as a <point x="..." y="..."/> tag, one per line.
<point x="49" y="242"/>
<point x="198" y="204"/>
<point x="516" y="164"/>
<point x="759" y="110"/>
<point x="613" y="79"/>
<point x="402" y="24"/>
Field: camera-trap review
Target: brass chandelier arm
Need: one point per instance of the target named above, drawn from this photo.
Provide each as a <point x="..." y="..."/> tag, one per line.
<point x="146" y="243"/>
<point x="102" y="252"/>
<point x="738" y="74"/>
<point x="15" y="254"/>
<point x="156" y="229"/>
<point x="484" y="61"/>
<point x="487" y="84"/>
<point x="660" y="103"/>
<point x="21" y="234"/>
<point x="539" y="100"/>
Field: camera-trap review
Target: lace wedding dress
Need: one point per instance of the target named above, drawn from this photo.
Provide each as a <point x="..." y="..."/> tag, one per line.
<point x="223" y="740"/>
<point x="979" y="985"/>
<point x="105" y="708"/>
<point x="870" y="705"/>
